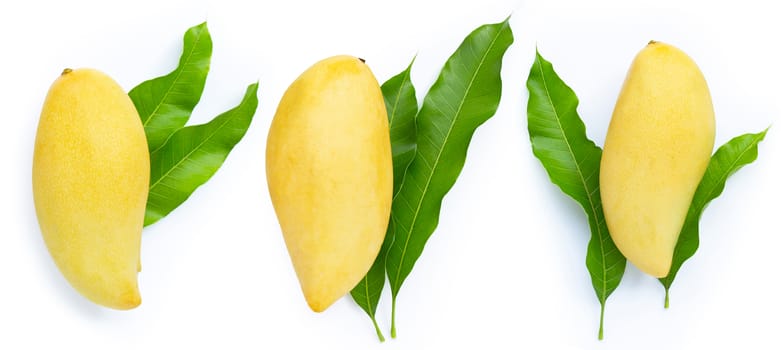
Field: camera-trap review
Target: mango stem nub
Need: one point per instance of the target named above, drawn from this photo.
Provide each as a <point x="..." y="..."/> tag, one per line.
<point x="362" y="60"/>
<point x="66" y="71"/>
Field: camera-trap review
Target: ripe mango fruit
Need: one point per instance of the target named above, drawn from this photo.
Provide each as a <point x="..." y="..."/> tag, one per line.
<point x="657" y="148"/>
<point x="330" y="175"/>
<point x="90" y="185"/>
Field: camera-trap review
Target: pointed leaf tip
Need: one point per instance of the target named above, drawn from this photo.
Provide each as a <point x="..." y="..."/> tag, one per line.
<point x="165" y="103"/>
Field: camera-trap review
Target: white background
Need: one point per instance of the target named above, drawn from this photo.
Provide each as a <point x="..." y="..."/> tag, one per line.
<point x="505" y="268"/>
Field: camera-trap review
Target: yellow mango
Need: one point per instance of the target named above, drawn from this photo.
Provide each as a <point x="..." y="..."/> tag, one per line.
<point x="657" y="148"/>
<point x="90" y="185"/>
<point x="330" y="175"/>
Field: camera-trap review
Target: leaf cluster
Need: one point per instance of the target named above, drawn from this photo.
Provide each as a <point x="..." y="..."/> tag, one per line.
<point x="429" y="150"/>
<point x="182" y="158"/>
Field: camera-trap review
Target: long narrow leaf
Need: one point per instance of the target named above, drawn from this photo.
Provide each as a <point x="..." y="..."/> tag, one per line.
<point x="728" y="159"/>
<point x="166" y="103"/>
<point x="193" y="154"/>
<point x="402" y="106"/>
<point x="559" y="141"/>
<point x="465" y="95"/>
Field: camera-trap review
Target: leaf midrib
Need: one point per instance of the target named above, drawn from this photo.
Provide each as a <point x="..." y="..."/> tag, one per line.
<point x="179" y="71"/>
<point x="368" y="300"/>
<point x="439" y="154"/>
<point x="603" y="292"/>
<point x="398" y="98"/>
<point x="187" y="156"/>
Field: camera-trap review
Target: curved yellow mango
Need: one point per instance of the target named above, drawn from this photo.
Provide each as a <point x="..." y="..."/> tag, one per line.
<point x="330" y="175"/>
<point x="657" y="148"/>
<point x="90" y="185"/>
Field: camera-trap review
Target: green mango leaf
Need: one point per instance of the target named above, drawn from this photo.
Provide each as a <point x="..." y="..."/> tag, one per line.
<point x="166" y="103"/>
<point x="559" y="141"/>
<point x="402" y="106"/>
<point x="728" y="159"/>
<point x="464" y="96"/>
<point x="193" y="154"/>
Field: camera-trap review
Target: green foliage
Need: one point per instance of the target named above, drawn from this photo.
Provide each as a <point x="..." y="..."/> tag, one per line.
<point x="183" y="158"/>
<point x="193" y="154"/>
<point x="559" y="141"/>
<point x="166" y="103"/>
<point x="465" y="95"/>
<point x="727" y="160"/>
<point x="402" y="106"/>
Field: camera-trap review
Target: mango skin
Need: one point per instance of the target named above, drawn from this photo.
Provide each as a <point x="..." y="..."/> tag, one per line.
<point x="330" y="175"/>
<point x="90" y="185"/>
<point x="657" y="148"/>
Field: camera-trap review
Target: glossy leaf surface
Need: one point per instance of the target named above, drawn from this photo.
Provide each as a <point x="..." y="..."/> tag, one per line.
<point x="572" y="161"/>
<point x="465" y="95"/>
<point x="727" y="160"/>
<point x="193" y="154"/>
